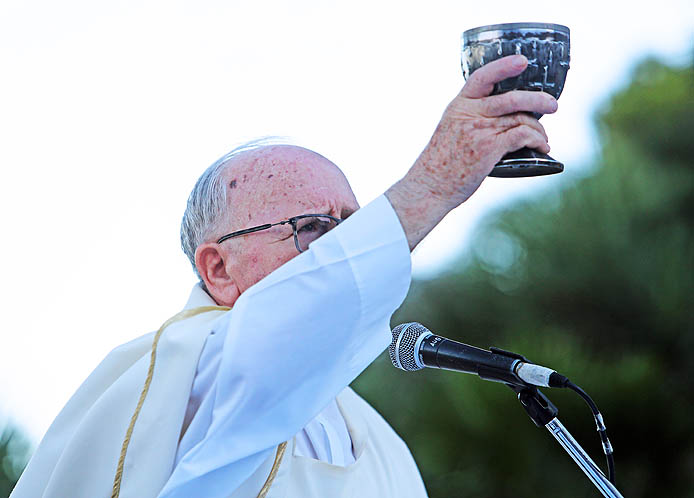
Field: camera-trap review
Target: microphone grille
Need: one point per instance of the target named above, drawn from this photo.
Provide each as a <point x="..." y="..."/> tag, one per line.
<point x="402" y="349"/>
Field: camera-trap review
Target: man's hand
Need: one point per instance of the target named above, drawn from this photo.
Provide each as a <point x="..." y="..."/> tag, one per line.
<point x="475" y="132"/>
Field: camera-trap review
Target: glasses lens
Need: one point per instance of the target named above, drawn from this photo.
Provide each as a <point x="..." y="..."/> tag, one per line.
<point x="310" y="228"/>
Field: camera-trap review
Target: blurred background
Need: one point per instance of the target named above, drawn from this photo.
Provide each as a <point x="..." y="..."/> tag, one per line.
<point x="595" y="279"/>
<point x="110" y="112"/>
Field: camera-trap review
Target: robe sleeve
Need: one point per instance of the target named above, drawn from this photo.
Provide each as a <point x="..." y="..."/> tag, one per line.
<point x="293" y="342"/>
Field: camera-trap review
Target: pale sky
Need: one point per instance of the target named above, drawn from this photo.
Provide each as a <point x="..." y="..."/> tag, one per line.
<point x="111" y="110"/>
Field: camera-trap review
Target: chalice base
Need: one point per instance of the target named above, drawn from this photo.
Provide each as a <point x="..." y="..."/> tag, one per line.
<point x="526" y="162"/>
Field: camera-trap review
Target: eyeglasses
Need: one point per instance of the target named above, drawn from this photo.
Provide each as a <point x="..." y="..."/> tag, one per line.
<point x="306" y="228"/>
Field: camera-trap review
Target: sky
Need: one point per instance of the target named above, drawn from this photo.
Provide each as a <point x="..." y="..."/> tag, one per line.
<point x="110" y="111"/>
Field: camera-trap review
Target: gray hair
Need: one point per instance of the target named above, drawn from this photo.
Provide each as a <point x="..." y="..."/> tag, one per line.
<point x="207" y="203"/>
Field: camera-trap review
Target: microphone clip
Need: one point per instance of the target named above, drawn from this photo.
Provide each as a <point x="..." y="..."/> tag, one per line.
<point x="509" y="354"/>
<point x="538" y="406"/>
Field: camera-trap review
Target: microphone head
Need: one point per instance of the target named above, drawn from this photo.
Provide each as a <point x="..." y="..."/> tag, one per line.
<point x="403" y="349"/>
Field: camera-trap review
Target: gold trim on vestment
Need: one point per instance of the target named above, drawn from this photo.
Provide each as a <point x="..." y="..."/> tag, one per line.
<point x="273" y="472"/>
<point x="150" y="373"/>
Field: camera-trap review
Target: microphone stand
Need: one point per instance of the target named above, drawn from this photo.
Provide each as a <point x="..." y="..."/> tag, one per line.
<point x="544" y="413"/>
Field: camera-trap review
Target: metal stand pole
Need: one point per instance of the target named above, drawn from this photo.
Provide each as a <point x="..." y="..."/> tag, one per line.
<point x="544" y="413"/>
<point x="582" y="459"/>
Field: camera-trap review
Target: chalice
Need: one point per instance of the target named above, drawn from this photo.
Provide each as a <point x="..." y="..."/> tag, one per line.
<point x="546" y="46"/>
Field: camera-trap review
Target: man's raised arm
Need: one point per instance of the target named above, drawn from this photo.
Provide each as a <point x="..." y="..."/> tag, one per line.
<point x="475" y="132"/>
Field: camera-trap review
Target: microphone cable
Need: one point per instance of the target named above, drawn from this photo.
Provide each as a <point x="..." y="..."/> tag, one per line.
<point x="602" y="430"/>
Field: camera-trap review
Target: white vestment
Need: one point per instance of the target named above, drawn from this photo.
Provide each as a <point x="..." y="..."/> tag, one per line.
<point x="291" y="344"/>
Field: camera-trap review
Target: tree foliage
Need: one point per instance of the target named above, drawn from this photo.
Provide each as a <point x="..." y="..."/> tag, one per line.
<point x="14" y="453"/>
<point x="595" y="280"/>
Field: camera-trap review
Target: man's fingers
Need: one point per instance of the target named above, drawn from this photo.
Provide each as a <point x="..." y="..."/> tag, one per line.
<point x="518" y="101"/>
<point x="523" y="136"/>
<point x="481" y="82"/>
<point x="518" y="119"/>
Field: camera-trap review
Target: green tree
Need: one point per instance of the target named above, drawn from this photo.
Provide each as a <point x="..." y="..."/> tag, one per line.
<point x="14" y="454"/>
<point x="595" y="280"/>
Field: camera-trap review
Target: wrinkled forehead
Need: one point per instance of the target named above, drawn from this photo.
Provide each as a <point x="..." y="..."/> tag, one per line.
<point x="275" y="182"/>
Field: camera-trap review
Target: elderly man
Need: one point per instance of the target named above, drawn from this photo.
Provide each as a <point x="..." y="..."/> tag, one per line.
<point x="254" y="401"/>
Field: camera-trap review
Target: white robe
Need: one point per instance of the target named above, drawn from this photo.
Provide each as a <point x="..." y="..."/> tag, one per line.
<point x="292" y="343"/>
<point x="383" y="468"/>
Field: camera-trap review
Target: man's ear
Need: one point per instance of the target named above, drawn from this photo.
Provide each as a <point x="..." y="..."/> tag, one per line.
<point x="209" y="261"/>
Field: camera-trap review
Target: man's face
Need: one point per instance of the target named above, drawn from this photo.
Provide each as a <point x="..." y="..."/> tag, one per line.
<point x="272" y="184"/>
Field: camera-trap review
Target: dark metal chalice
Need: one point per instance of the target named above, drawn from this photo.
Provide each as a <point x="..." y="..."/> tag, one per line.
<point x="547" y="48"/>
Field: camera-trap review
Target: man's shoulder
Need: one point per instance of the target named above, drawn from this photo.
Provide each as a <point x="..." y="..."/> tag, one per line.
<point x="187" y="329"/>
<point x="139" y="343"/>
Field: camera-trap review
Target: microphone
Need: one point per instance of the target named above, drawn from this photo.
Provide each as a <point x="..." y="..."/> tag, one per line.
<point x="415" y="347"/>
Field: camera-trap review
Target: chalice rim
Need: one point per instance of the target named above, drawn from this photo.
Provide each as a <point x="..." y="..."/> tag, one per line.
<point x="496" y="30"/>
